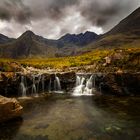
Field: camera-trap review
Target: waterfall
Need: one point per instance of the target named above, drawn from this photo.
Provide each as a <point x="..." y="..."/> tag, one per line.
<point x="43" y="83"/>
<point x="57" y="85"/>
<point x="84" y="86"/>
<point x="38" y="82"/>
<point x="50" y="85"/>
<point x="34" y="90"/>
<point x="23" y="87"/>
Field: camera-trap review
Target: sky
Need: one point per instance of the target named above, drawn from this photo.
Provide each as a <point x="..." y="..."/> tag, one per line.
<point x="54" y="18"/>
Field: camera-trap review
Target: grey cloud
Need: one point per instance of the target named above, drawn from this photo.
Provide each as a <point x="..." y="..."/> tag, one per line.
<point x="14" y="9"/>
<point x="101" y="12"/>
<point x="47" y="16"/>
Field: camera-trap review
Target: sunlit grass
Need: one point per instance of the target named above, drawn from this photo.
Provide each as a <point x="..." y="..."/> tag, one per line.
<point x="130" y="59"/>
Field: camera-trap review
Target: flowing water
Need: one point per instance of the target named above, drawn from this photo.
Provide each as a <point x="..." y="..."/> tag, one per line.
<point x="66" y="117"/>
<point x="75" y="116"/>
<point x="22" y="87"/>
<point x="84" y="85"/>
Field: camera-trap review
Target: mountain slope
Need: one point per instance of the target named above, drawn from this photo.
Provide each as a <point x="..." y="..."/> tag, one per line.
<point x="129" y="24"/>
<point x="125" y="34"/>
<point x="31" y="45"/>
<point x="27" y="45"/>
<point x="5" y="39"/>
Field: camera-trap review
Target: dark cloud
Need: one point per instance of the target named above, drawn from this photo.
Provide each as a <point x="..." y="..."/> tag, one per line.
<point x="101" y="13"/>
<point x="14" y="9"/>
<point x="56" y="17"/>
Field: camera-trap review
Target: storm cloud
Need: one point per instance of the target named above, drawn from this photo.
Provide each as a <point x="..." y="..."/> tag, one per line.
<point x="54" y="18"/>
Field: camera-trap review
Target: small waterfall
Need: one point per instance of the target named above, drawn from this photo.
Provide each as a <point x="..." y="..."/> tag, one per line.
<point x="38" y="82"/>
<point x="43" y="83"/>
<point x="50" y="85"/>
<point x="84" y="86"/>
<point x="23" y="87"/>
<point x="34" y="90"/>
<point x="57" y="85"/>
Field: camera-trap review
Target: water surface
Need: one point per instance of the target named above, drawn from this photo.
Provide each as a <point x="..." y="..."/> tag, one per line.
<point x="63" y="117"/>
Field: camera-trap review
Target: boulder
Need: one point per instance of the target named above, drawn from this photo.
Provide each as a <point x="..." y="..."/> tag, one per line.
<point x="9" y="109"/>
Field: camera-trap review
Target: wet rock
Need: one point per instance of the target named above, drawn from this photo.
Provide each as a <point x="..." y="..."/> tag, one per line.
<point x="9" y="108"/>
<point x="67" y="79"/>
<point x="121" y="83"/>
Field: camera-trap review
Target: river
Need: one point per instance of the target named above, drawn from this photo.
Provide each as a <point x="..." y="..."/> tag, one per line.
<point x="66" y="117"/>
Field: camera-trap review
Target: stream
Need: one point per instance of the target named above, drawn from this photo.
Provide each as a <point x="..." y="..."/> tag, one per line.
<point x="67" y="117"/>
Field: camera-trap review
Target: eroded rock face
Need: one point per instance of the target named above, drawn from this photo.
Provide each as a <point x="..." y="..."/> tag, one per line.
<point x="9" y="109"/>
<point x="121" y="83"/>
<point x="67" y="79"/>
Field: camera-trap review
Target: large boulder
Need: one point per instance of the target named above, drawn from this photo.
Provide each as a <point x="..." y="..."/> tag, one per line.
<point x="9" y="109"/>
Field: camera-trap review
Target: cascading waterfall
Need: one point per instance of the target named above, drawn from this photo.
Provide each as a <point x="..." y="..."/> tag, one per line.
<point x="23" y="87"/>
<point x="38" y="82"/>
<point x="43" y="83"/>
<point x="84" y="86"/>
<point x="57" y="85"/>
<point x="34" y="90"/>
<point x="50" y="85"/>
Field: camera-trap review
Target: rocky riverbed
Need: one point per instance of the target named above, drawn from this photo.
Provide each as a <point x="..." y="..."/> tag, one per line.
<point x="14" y="83"/>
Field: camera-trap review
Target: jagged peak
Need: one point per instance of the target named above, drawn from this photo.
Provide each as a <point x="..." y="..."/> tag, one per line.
<point x="28" y="32"/>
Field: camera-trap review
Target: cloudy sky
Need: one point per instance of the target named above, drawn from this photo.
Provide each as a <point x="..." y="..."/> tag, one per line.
<point x="54" y="18"/>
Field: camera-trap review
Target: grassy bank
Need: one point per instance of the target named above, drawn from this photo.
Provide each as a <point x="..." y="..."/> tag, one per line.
<point x="128" y="58"/>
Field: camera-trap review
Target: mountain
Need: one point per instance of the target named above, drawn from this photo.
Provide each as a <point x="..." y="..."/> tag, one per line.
<point x="5" y="39"/>
<point x="79" y="39"/>
<point x="27" y="45"/>
<point x="124" y="34"/>
<point x="130" y="24"/>
<point x="30" y="45"/>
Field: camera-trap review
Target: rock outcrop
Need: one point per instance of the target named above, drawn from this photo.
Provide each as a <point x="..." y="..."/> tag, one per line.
<point x="121" y="83"/>
<point x="9" y="109"/>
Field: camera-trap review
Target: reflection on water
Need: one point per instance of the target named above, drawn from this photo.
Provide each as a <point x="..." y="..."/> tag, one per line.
<point x="64" y="117"/>
<point x="9" y="129"/>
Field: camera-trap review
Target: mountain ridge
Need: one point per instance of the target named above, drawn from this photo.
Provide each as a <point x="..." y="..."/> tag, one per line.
<point x="125" y="33"/>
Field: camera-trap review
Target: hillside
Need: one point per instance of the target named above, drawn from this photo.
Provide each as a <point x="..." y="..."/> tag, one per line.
<point x="125" y="34"/>
<point x="5" y="39"/>
<point x="27" y="45"/>
<point x="31" y="45"/>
